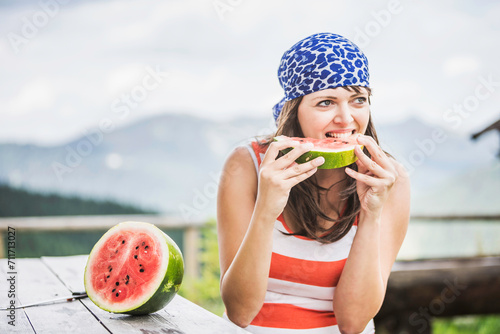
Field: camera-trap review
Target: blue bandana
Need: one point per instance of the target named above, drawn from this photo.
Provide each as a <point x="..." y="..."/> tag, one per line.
<point x="318" y="62"/>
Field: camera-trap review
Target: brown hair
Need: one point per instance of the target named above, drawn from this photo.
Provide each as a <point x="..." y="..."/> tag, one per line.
<point x="304" y="199"/>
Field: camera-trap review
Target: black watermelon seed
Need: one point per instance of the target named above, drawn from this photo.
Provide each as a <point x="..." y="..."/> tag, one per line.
<point x="142" y="270"/>
<point x="117" y="294"/>
<point x="123" y="241"/>
<point x="146" y="247"/>
<point x="137" y="247"/>
<point x="143" y="243"/>
<point x="110" y="268"/>
<point x="135" y="257"/>
<point x="117" y="283"/>
<point x="116" y="251"/>
<point x="107" y="276"/>
<point x="113" y="290"/>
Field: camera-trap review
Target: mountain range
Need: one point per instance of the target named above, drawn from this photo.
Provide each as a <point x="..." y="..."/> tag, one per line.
<point x="171" y="163"/>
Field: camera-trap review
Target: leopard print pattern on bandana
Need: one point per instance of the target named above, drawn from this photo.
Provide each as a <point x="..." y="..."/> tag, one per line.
<point x="318" y="62"/>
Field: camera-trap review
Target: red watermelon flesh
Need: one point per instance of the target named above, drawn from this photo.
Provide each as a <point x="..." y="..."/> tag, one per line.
<point x="338" y="152"/>
<point x="327" y="144"/>
<point x="134" y="268"/>
<point x="120" y="279"/>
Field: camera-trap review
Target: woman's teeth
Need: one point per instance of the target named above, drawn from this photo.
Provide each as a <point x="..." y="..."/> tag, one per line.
<point x="338" y="134"/>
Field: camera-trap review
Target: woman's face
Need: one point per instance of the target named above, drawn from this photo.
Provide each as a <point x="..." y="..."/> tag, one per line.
<point x="334" y="112"/>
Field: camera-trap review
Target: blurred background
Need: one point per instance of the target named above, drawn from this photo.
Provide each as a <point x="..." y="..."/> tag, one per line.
<point x="125" y="107"/>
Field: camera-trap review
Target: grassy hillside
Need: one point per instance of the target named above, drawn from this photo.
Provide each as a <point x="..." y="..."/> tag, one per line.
<point x="22" y="203"/>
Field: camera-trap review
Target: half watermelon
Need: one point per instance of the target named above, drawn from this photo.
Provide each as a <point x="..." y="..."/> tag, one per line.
<point x="134" y="268"/>
<point x="338" y="152"/>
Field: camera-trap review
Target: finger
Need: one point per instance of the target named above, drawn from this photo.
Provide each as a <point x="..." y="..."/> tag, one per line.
<point x="361" y="167"/>
<point x="377" y="154"/>
<point x="301" y="177"/>
<point x="290" y="157"/>
<point x="297" y="169"/>
<point x="369" y="164"/>
<point x="274" y="149"/>
<point x="366" y="179"/>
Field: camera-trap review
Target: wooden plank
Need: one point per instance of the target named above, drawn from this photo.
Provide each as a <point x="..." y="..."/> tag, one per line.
<point x="69" y="270"/>
<point x="92" y="222"/>
<point x="179" y="316"/>
<point x="191" y="318"/>
<point x="21" y="323"/>
<point x="38" y="283"/>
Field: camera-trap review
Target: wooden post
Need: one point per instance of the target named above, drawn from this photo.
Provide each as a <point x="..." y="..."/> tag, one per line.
<point x="191" y="249"/>
<point x="2" y="246"/>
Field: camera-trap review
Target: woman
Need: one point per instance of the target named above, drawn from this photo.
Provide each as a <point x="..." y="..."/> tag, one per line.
<point x="302" y="248"/>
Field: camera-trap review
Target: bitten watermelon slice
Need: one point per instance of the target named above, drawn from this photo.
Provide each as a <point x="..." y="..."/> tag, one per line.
<point x="134" y="268"/>
<point x="338" y="152"/>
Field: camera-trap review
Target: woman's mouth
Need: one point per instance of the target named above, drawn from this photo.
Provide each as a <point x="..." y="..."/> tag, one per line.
<point x="339" y="134"/>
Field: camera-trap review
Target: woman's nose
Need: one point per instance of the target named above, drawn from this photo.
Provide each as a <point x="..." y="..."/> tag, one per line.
<point x="343" y="114"/>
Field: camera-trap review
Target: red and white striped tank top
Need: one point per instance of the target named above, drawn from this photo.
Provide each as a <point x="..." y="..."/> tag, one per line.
<point x="302" y="280"/>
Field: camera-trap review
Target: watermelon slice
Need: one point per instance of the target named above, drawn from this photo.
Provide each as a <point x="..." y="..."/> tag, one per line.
<point x="338" y="152"/>
<point x="134" y="268"/>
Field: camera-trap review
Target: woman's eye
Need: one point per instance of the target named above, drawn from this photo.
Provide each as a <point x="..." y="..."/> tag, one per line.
<point x="360" y="100"/>
<point x="325" y="103"/>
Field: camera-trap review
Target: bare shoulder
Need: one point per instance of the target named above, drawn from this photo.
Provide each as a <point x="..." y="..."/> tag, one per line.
<point x="239" y="166"/>
<point x="235" y="203"/>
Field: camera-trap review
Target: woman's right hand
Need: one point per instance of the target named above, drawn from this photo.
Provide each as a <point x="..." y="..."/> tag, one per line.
<point x="278" y="176"/>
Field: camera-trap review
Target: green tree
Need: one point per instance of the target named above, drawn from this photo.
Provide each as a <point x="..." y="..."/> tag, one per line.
<point x="204" y="290"/>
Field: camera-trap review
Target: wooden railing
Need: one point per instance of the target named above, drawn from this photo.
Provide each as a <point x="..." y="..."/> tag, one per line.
<point x="420" y="290"/>
<point x="456" y="217"/>
<point x="93" y="223"/>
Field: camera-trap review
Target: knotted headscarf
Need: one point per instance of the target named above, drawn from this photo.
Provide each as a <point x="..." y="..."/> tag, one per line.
<point x="318" y="62"/>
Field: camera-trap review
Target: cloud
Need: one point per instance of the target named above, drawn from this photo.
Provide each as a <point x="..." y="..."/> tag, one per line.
<point x="459" y="65"/>
<point x="37" y="95"/>
<point x="73" y="70"/>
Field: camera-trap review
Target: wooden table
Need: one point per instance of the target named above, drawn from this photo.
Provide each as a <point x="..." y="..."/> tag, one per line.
<point x="52" y="277"/>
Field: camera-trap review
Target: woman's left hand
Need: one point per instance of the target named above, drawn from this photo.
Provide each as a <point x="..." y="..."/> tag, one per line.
<point x="375" y="177"/>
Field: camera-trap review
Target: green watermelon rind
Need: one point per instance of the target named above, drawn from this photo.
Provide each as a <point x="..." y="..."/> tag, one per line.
<point x="333" y="160"/>
<point x="166" y="290"/>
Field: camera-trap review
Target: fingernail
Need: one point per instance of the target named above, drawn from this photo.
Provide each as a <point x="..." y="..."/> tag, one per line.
<point x="319" y="161"/>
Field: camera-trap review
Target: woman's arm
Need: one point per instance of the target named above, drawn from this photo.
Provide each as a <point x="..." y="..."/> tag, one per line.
<point x="384" y="191"/>
<point x="247" y="207"/>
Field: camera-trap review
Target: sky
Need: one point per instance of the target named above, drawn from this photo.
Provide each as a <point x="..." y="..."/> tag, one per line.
<point x="69" y="66"/>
